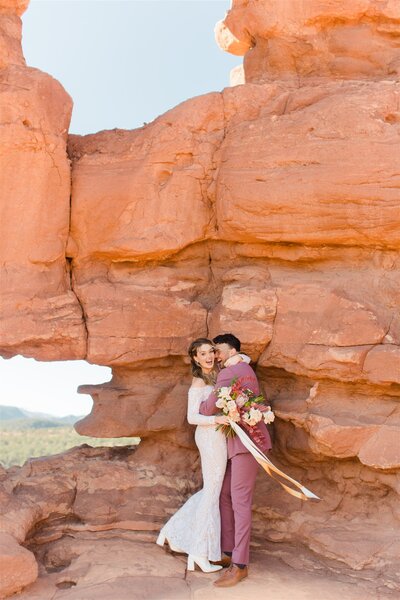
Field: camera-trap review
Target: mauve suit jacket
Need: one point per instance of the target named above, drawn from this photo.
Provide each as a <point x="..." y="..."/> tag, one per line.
<point x="246" y="376"/>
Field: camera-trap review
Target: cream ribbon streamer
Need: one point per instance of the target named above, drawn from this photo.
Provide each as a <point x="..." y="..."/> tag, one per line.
<point x="270" y="468"/>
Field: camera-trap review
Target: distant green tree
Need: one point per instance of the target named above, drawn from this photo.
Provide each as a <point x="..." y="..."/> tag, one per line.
<point x="17" y="445"/>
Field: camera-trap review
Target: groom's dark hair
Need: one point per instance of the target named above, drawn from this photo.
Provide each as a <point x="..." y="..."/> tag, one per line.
<point x="228" y="338"/>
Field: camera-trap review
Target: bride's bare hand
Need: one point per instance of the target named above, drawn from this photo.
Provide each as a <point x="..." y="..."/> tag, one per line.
<point x="221" y="420"/>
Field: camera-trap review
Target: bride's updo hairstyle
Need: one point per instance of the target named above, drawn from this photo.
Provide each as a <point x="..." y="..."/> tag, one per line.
<point x="197" y="371"/>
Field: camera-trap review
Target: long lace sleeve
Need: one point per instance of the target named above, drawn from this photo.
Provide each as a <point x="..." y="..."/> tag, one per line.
<point x="195" y="397"/>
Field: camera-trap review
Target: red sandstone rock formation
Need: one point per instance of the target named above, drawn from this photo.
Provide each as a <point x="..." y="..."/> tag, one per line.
<point x="40" y="315"/>
<point x="92" y="531"/>
<point x="299" y="41"/>
<point x="270" y="209"/>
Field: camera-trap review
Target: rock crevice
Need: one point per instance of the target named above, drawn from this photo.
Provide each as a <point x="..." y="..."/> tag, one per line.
<point x="269" y="209"/>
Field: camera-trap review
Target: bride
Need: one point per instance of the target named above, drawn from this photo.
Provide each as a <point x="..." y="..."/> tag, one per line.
<point x="195" y="528"/>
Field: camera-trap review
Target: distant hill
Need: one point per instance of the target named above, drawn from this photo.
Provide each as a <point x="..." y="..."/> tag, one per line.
<point x="17" y="445"/>
<point x="12" y="417"/>
<point x="11" y="412"/>
<point x="25" y="434"/>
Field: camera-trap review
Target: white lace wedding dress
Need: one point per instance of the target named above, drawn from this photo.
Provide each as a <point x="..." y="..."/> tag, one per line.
<point x="196" y="527"/>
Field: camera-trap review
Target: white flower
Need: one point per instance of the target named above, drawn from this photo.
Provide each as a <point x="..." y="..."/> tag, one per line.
<point x="231" y="405"/>
<point x="225" y="393"/>
<point x="255" y="415"/>
<point x="252" y="417"/>
<point x="221" y="403"/>
<point x="240" y="400"/>
<point x="234" y="415"/>
<point x="269" y="417"/>
<point x="249" y="420"/>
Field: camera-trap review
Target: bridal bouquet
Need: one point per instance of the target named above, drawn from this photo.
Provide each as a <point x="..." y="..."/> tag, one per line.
<point x="243" y="406"/>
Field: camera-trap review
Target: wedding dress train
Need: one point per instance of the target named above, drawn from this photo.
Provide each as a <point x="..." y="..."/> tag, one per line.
<point x="196" y="527"/>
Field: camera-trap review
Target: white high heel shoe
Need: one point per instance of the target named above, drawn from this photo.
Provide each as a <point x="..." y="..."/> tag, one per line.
<point x="202" y="563"/>
<point x="161" y="541"/>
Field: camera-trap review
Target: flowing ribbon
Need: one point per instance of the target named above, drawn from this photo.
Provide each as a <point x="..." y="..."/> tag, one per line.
<point x="270" y="468"/>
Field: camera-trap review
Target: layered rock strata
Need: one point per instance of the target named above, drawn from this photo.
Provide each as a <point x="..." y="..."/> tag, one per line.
<point x="303" y="41"/>
<point x="40" y="315"/>
<point x="93" y="535"/>
<point x="270" y="209"/>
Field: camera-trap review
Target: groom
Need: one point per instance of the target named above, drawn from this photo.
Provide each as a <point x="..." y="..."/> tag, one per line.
<point x="240" y="477"/>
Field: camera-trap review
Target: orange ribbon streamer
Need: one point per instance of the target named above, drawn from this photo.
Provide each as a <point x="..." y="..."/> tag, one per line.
<point x="301" y="492"/>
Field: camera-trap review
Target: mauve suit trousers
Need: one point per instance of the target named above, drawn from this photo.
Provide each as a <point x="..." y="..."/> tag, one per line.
<point x="240" y="477"/>
<point x="235" y="506"/>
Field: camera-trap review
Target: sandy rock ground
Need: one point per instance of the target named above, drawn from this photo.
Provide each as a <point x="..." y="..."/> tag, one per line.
<point x="269" y="209"/>
<point x="85" y="566"/>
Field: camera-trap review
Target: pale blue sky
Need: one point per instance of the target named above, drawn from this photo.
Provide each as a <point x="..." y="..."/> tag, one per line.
<point x="126" y="62"/>
<point x="123" y="63"/>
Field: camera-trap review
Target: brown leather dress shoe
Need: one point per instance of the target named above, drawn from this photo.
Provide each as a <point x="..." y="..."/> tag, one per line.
<point x="224" y="562"/>
<point x="231" y="577"/>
